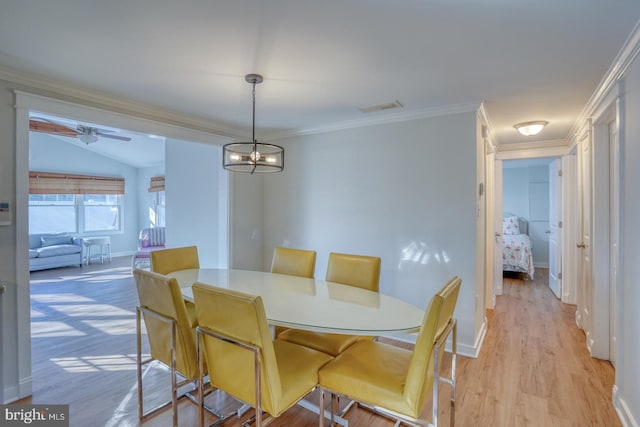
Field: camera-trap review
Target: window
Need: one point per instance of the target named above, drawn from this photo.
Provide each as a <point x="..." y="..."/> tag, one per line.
<point x="52" y="213"/>
<point x="101" y="212"/>
<point x="74" y="203"/>
<point x="156" y="210"/>
<point x="56" y="213"/>
<point x="156" y="214"/>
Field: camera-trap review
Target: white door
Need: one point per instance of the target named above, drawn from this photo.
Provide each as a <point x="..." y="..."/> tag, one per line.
<point x="585" y="278"/>
<point x="497" y="228"/>
<point x="555" y="203"/>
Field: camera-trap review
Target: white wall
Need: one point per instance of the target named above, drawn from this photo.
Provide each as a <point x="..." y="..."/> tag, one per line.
<point x="9" y="364"/>
<point x="405" y="192"/>
<point x="247" y="213"/>
<point x="49" y="154"/>
<point x="193" y="200"/>
<point x="627" y="367"/>
<point x="515" y="190"/>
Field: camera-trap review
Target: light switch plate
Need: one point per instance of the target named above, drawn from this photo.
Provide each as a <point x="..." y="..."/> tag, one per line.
<point x="5" y="213"/>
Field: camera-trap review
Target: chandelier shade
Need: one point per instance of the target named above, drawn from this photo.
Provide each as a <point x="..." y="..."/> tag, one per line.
<point x="253" y="156"/>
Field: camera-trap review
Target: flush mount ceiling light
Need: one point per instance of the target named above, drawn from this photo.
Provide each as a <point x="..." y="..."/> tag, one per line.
<point x="530" y="128"/>
<point x="253" y="156"/>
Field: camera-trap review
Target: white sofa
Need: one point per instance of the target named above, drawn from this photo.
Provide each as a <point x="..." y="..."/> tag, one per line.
<point x="54" y="250"/>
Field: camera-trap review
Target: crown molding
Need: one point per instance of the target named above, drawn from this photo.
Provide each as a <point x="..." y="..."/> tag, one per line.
<point x="387" y="119"/>
<point x="488" y="132"/>
<point x="617" y="70"/>
<point x="91" y="98"/>
<point x="484" y="117"/>
<point x="549" y="143"/>
<point x="547" y="148"/>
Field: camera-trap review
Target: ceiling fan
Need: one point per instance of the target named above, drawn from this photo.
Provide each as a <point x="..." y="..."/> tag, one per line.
<point x="84" y="133"/>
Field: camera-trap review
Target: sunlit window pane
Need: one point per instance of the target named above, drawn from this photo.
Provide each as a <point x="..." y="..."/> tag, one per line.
<point x="156" y="213"/>
<point x="57" y="213"/>
<point x="52" y="213"/>
<point x="101" y="212"/>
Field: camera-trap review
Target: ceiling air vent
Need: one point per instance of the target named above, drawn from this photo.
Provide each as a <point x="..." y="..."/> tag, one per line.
<point x="386" y="106"/>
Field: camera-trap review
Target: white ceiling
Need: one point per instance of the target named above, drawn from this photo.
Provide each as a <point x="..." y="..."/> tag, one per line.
<point x="527" y="60"/>
<point x="143" y="150"/>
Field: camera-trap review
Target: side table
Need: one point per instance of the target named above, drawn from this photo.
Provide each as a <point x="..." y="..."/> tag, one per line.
<point x="105" y="247"/>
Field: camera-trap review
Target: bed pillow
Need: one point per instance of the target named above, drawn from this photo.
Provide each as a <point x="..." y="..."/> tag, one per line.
<point x="510" y="225"/>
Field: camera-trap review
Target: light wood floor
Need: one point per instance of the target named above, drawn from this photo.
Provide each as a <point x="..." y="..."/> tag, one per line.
<point x="533" y="369"/>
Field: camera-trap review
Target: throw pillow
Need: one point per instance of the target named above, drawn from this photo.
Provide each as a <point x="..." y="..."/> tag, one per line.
<point x="59" y="239"/>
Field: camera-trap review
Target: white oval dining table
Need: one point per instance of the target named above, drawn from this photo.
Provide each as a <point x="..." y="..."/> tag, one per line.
<point x="312" y="304"/>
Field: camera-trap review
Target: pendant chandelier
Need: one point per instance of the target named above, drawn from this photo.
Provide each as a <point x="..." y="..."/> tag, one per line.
<point x="253" y="156"/>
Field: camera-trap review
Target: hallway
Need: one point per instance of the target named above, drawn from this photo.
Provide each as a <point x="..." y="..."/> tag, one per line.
<point x="534" y="368"/>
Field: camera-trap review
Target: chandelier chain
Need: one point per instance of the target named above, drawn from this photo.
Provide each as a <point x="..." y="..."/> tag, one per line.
<point x="253" y="100"/>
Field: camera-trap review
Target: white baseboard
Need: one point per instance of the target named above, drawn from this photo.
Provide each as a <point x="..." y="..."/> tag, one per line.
<point x="479" y="340"/>
<point x="578" y="319"/>
<point x="624" y="413"/>
<point x="122" y="253"/>
<point x="15" y="393"/>
<point x="463" y="349"/>
<point x="11" y="394"/>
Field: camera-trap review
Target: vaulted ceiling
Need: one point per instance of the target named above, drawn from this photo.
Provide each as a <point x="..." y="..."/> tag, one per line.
<point x="324" y="60"/>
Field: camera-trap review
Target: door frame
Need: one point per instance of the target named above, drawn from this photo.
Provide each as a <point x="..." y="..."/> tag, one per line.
<point x="556" y="215"/>
<point x="496" y="236"/>
<point x="534" y="150"/>
<point x="25" y="103"/>
<point x="570" y="259"/>
<point x="605" y="161"/>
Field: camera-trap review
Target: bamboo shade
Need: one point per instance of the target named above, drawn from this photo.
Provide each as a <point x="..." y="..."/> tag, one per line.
<point x="156" y="184"/>
<point x="59" y="183"/>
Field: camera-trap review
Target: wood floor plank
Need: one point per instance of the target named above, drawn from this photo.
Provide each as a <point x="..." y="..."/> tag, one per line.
<point x="533" y="369"/>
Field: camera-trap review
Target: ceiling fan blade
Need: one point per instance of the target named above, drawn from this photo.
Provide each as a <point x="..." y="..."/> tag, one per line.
<point x="47" y="126"/>
<point x="106" y="135"/>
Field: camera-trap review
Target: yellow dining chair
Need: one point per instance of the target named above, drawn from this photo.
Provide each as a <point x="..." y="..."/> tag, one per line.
<point x="233" y="338"/>
<point x="354" y="270"/>
<point x="165" y="261"/>
<point x="171" y="338"/>
<point x="294" y="262"/>
<point x="393" y="381"/>
<point x="360" y="271"/>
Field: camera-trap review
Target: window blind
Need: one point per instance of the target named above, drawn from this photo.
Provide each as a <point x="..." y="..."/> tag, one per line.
<point x="58" y="183"/>
<point x="156" y="184"/>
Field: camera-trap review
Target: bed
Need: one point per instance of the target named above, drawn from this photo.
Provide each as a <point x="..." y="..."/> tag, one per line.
<point x="516" y="245"/>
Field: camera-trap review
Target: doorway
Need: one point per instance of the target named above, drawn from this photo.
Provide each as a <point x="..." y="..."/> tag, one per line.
<point x="567" y="157"/>
<point x="215" y="180"/>
<point x="538" y="191"/>
<point x="526" y="193"/>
